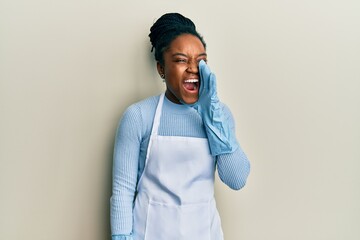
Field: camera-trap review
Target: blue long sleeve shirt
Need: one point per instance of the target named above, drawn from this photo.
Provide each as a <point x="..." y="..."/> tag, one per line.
<point x="131" y="143"/>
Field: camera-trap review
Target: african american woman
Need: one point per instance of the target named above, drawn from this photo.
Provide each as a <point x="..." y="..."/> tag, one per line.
<point x="168" y="147"/>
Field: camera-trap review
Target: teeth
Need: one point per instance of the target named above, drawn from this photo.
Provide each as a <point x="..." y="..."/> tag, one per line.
<point x="192" y="80"/>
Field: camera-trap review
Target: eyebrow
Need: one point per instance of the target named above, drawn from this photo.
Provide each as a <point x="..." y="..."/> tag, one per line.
<point x="184" y="55"/>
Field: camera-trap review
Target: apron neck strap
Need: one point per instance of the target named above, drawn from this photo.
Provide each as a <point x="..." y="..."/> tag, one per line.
<point x="156" y="123"/>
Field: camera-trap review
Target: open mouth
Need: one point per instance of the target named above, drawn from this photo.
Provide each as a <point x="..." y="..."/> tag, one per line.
<point x="191" y="85"/>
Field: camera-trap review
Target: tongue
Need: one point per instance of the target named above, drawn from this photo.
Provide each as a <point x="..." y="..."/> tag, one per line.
<point x="190" y="86"/>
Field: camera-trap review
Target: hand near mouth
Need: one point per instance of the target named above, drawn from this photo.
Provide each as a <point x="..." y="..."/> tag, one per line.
<point x="221" y="137"/>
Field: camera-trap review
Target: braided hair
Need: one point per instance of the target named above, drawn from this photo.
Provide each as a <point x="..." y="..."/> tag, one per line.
<point x="166" y="29"/>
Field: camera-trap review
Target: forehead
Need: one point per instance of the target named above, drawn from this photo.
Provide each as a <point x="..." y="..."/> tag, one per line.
<point x="186" y="43"/>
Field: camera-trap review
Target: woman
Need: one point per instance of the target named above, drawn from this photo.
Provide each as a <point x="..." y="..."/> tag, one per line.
<point x="167" y="147"/>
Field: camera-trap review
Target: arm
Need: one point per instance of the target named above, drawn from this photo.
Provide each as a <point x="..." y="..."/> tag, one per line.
<point x="125" y="167"/>
<point x="233" y="165"/>
<point x="233" y="168"/>
<point x="218" y="130"/>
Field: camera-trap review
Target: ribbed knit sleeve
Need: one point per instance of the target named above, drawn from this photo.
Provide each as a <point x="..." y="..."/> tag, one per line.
<point x="125" y="168"/>
<point x="122" y="237"/>
<point x="233" y="168"/>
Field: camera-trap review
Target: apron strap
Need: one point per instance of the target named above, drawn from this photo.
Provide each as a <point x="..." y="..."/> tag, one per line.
<point x="154" y="130"/>
<point x="156" y="122"/>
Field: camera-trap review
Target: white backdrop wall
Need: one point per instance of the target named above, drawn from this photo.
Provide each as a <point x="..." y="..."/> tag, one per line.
<point x="289" y="70"/>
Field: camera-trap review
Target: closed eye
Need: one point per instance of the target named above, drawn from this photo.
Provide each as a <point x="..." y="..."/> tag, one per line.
<point x="180" y="60"/>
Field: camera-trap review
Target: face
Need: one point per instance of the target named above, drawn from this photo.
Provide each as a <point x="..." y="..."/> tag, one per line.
<point x="181" y="70"/>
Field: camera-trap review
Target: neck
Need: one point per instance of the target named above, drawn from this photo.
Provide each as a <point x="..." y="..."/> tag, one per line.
<point x="169" y="95"/>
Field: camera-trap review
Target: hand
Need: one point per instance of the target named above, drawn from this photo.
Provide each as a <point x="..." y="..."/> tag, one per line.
<point x="220" y="135"/>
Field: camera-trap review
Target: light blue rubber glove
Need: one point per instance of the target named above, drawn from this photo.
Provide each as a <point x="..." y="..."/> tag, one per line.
<point x="221" y="137"/>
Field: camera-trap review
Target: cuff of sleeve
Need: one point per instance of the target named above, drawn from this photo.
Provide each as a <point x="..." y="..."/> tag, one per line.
<point x="121" y="237"/>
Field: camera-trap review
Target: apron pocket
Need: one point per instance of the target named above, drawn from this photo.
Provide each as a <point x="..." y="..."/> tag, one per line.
<point x="165" y="221"/>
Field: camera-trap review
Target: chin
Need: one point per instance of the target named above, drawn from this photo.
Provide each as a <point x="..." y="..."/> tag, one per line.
<point x="190" y="100"/>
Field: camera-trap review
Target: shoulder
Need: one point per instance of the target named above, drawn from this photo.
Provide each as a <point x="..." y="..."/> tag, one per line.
<point x="150" y="102"/>
<point x="143" y="107"/>
<point x="141" y="114"/>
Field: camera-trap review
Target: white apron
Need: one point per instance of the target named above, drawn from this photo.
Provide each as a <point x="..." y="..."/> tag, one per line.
<point x="175" y="199"/>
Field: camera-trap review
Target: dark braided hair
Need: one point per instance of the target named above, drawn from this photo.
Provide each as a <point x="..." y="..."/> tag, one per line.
<point x="166" y="29"/>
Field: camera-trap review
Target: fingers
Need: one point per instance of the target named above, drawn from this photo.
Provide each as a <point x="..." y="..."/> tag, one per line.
<point x="204" y="75"/>
<point x="212" y="83"/>
<point x="207" y="78"/>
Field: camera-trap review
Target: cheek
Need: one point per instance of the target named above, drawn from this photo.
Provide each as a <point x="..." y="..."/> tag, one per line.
<point x="170" y="75"/>
<point x="176" y="71"/>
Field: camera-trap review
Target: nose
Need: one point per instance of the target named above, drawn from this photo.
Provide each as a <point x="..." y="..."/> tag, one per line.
<point x="193" y="67"/>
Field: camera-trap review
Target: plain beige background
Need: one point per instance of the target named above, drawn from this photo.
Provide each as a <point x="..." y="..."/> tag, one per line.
<point x="289" y="70"/>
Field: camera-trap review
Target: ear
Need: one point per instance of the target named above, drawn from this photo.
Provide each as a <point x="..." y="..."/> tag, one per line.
<point x="160" y="68"/>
